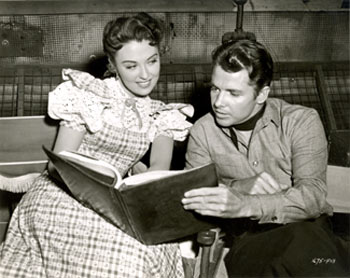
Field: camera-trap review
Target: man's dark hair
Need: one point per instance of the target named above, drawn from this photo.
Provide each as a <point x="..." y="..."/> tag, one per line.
<point x="249" y="55"/>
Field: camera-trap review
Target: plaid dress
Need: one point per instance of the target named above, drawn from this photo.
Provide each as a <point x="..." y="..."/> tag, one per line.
<point x="50" y="233"/>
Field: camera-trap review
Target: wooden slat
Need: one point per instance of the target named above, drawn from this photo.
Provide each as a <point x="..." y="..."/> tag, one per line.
<point x="94" y="6"/>
<point x="338" y="182"/>
<point x="21" y="140"/>
<point x="20" y="91"/>
<point x="326" y="103"/>
<point x="22" y="168"/>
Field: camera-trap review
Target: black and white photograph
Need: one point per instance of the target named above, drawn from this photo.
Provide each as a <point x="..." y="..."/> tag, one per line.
<point x="174" y="139"/>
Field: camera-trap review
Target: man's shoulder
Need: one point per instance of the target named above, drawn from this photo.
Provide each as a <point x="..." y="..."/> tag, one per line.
<point x="207" y="119"/>
<point x="206" y="122"/>
<point x="293" y="111"/>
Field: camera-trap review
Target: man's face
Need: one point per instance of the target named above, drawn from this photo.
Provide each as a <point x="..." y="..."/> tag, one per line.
<point x="233" y="99"/>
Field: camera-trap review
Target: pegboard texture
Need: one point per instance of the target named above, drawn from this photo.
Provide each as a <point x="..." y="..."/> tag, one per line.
<point x="191" y="37"/>
<point x="18" y="40"/>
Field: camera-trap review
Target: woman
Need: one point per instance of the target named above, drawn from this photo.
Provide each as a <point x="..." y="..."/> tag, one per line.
<point x="50" y="233"/>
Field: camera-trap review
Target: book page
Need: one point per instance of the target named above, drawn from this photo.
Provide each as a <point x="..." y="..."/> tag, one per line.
<point x="149" y="176"/>
<point x="94" y="164"/>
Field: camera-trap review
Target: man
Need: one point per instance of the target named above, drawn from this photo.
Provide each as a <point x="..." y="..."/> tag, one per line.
<point x="271" y="159"/>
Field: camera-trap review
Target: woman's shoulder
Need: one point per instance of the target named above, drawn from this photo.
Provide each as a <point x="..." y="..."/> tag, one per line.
<point x="171" y="120"/>
<point x="80" y="98"/>
<point x="85" y="81"/>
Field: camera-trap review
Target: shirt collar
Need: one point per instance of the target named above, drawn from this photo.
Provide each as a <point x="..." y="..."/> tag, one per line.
<point x="271" y="114"/>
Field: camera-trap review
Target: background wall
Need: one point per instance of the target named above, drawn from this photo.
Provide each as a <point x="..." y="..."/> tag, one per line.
<point x="73" y="36"/>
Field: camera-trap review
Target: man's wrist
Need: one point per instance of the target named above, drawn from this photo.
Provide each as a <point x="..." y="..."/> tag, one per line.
<point x="255" y="208"/>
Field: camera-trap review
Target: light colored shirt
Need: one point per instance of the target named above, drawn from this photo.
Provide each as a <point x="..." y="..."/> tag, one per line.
<point x="288" y="142"/>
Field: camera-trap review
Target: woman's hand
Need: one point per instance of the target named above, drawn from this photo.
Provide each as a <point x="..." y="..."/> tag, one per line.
<point x="139" y="168"/>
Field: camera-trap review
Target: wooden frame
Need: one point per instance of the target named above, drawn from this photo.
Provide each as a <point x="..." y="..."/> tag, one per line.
<point x="109" y="6"/>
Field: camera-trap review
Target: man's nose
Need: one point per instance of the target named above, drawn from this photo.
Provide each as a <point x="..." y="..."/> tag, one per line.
<point x="220" y="99"/>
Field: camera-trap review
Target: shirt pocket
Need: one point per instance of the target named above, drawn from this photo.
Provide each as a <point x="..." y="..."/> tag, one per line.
<point x="278" y="163"/>
<point x="231" y="166"/>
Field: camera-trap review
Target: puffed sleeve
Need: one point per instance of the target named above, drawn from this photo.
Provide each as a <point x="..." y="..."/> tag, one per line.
<point x="170" y="120"/>
<point x="79" y="101"/>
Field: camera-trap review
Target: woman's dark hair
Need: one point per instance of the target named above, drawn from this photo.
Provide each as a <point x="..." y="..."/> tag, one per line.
<point x="249" y="55"/>
<point x="121" y="30"/>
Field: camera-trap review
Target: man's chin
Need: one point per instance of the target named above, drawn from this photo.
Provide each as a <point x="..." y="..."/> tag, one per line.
<point x="223" y="122"/>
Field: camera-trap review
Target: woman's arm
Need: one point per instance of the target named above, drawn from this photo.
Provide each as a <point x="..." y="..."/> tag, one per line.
<point x="67" y="139"/>
<point x="161" y="153"/>
<point x="160" y="157"/>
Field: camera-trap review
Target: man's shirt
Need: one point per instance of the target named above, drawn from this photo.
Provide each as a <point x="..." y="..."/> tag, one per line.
<point x="288" y="142"/>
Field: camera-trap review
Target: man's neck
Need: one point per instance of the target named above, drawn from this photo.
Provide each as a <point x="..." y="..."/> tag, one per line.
<point x="251" y="122"/>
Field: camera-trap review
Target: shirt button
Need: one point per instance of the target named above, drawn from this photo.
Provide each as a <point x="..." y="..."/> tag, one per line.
<point x="274" y="218"/>
<point x="255" y="163"/>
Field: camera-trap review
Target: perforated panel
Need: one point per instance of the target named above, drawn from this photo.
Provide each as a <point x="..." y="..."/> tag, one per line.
<point x="191" y="37"/>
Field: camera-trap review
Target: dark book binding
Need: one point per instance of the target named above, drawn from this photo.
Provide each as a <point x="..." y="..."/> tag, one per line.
<point x="152" y="212"/>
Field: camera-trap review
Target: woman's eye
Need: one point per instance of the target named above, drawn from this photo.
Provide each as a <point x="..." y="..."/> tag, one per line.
<point x="153" y="61"/>
<point x="131" y="67"/>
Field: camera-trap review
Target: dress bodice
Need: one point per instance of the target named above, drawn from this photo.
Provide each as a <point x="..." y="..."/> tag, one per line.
<point x="118" y="128"/>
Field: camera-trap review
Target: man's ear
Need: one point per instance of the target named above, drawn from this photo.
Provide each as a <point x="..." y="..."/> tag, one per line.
<point x="263" y="94"/>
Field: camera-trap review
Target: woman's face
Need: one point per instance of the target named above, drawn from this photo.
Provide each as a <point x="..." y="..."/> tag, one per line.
<point x="138" y="67"/>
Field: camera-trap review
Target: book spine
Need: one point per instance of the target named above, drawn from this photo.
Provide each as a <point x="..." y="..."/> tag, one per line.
<point x="130" y="230"/>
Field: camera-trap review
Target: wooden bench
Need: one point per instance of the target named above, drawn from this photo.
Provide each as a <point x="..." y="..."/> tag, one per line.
<point x="21" y="153"/>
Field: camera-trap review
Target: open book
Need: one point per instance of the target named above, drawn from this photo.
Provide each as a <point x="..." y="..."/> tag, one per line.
<point x="146" y="206"/>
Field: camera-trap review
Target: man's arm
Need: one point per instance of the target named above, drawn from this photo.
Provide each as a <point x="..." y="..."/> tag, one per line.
<point x="307" y="196"/>
<point x="197" y="153"/>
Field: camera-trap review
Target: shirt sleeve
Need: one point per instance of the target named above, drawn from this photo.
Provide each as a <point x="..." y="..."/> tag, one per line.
<point x="197" y="153"/>
<point x="170" y="120"/>
<point x="77" y="107"/>
<point x="307" y="197"/>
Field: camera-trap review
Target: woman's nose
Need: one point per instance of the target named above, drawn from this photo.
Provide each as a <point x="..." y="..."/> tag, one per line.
<point x="144" y="72"/>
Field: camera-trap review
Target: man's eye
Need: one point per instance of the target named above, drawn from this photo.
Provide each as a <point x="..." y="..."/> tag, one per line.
<point x="234" y="93"/>
<point x="214" y="90"/>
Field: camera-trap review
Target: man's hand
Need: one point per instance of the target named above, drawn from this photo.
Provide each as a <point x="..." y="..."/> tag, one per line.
<point x="221" y="202"/>
<point x="262" y="183"/>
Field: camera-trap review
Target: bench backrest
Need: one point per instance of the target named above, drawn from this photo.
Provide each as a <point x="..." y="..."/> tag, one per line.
<point x="21" y="144"/>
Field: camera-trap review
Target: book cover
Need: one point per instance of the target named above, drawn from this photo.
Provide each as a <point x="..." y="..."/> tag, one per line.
<point x="150" y="211"/>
